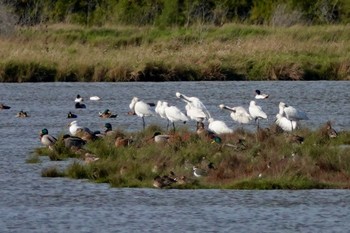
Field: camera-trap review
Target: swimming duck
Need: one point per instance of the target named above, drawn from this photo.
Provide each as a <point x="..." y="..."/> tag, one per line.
<point x="107" y="114"/>
<point x="71" y="115"/>
<point x="22" y="114"/>
<point x="80" y="105"/>
<point x="46" y="139"/>
<point x="78" y="99"/>
<point x="259" y="95"/>
<point x="2" y="106"/>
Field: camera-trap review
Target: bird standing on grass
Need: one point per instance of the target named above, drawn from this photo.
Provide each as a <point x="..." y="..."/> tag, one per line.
<point x="256" y="112"/>
<point x="141" y="109"/>
<point x="46" y="139"/>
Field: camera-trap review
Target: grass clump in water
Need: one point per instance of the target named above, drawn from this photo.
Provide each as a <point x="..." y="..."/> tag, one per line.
<point x="265" y="159"/>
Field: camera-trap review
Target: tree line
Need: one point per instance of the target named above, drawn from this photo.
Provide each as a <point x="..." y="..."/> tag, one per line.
<point x="181" y="13"/>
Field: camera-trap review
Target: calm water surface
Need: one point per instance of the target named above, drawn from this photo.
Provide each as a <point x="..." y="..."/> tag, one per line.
<point x="30" y="203"/>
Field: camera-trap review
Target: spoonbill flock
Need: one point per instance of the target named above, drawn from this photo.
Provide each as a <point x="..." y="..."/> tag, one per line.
<point x="195" y="110"/>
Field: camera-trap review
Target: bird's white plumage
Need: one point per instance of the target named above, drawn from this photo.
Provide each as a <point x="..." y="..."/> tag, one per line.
<point x="174" y="114"/>
<point x="94" y="98"/>
<point x="218" y="127"/>
<point x="256" y="111"/>
<point x="259" y="95"/>
<point x="194" y="102"/>
<point x="141" y="108"/>
<point x="238" y="114"/>
<point x="292" y="113"/>
<point x="285" y="124"/>
<point x="195" y="114"/>
<point x="73" y="127"/>
<point x="78" y="99"/>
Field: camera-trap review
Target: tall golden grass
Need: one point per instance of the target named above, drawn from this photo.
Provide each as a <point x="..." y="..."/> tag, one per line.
<point x="73" y="53"/>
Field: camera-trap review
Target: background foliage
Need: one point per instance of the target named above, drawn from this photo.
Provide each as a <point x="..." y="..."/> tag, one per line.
<point x="177" y="12"/>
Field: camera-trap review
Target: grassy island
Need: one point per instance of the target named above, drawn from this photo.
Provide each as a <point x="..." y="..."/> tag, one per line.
<point x="265" y="159"/>
<point x="61" y="52"/>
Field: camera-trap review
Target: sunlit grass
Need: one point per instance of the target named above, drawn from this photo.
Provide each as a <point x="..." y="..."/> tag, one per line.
<point x="73" y="53"/>
<point x="244" y="160"/>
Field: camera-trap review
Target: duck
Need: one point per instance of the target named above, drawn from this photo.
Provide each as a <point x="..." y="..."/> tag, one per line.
<point x="206" y="134"/>
<point x="80" y="105"/>
<point x="160" y="138"/>
<point x="47" y="139"/>
<point x="78" y="99"/>
<point x="163" y="181"/>
<point x="259" y="95"/>
<point x="73" y="141"/>
<point x="197" y="172"/>
<point x="107" y="114"/>
<point x="90" y="158"/>
<point x="122" y="142"/>
<point x="108" y="129"/>
<point x="82" y="132"/>
<point x="328" y="130"/>
<point x="71" y="115"/>
<point x="22" y="114"/>
<point x="2" y="106"/>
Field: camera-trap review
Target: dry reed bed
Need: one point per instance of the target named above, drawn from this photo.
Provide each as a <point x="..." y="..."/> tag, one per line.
<point x="124" y="53"/>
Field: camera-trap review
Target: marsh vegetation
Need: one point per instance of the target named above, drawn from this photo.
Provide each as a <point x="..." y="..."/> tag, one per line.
<point x="265" y="159"/>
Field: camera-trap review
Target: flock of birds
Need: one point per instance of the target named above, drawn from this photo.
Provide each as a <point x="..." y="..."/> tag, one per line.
<point x="287" y="119"/>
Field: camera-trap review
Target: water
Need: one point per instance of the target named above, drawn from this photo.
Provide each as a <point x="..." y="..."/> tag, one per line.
<point x="30" y="203"/>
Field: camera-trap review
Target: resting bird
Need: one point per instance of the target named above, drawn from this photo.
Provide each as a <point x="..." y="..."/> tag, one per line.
<point x="46" y="139"/>
<point x="238" y="114"/>
<point x="73" y="142"/>
<point x="160" y="138"/>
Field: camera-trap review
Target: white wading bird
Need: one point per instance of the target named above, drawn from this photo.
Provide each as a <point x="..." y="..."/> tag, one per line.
<point x="292" y="114"/>
<point x="196" y="110"/>
<point x="256" y="112"/>
<point x="218" y="127"/>
<point x="141" y="109"/>
<point x="238" y="114"/>
<point x="174" y="114"/>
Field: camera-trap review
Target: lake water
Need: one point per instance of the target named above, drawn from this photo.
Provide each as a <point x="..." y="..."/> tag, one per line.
<point x="30" y="203"/>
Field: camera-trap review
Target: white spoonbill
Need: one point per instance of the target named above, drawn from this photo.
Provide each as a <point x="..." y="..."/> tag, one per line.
<point x="174" y="114"/>
<point x="259" y="95"/>
<point x="238" y="114"/>
<point x="195" y="114"/>
<point x="194" y="102"/>
<point x="292" y="113"/>
<point x="218" y="127"/>
<point x="256" y="112"/>
<point x="141" y="109"/>
<point x="284" y="123"/>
